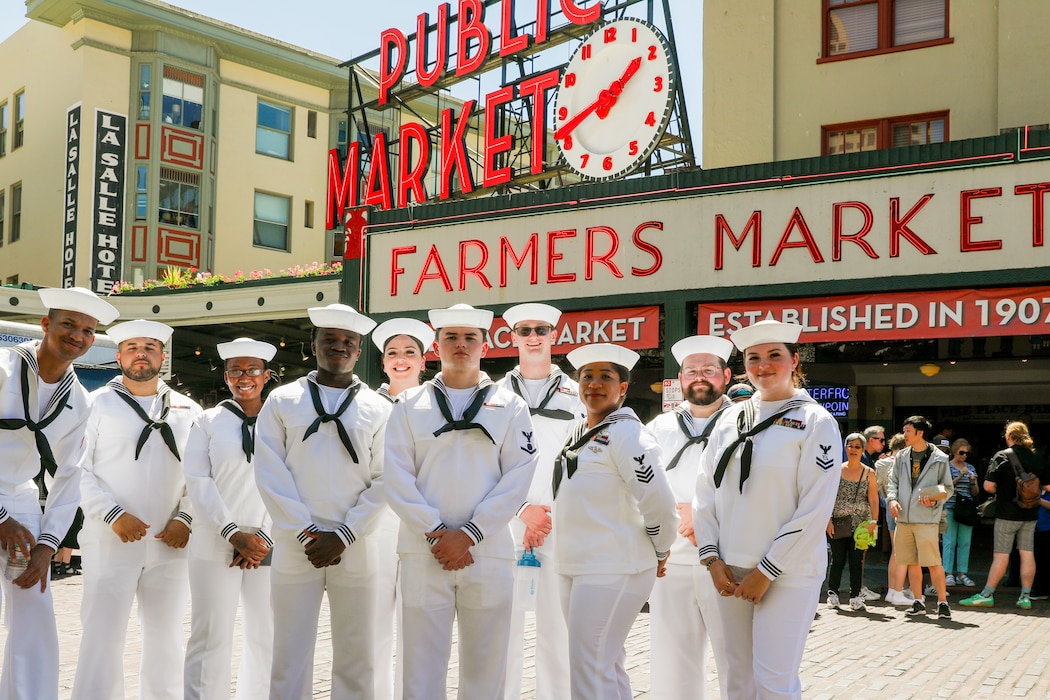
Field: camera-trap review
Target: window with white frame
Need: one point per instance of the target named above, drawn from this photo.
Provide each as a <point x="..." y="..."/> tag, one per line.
<point x="20" y="120"/>
<point x="874" y="26"/>
<point x="272" y="214"/>
<point x="273" y="130"/>
<point x="16" y="212"/>
<point x="182" y="101"/>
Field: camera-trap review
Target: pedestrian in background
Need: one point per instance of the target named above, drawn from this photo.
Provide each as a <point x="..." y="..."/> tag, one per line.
<point x="857" y="501"/>
<point x="957" y="538"/>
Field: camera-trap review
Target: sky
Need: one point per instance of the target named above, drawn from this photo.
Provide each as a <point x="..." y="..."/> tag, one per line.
<point x="332" y="27"/>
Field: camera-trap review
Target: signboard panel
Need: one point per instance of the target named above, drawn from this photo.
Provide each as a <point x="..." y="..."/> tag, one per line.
<point x="107" y="222"/>
<point x="72" y="196"/>
<point x="634" y="328"/>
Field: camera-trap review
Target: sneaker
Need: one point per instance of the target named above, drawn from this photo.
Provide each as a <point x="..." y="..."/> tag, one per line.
<point x="949" y="580"/>
<point x="978" y="601"/>
<point x="908" y="595"/>
<point x="858" y="603"/>
<point x="965" y="580"/>
<point x="1039" y="597"/>
<point x="930" y="589"/>
<point x="917" y="608"/>
<point x="833" y="599"/>
<point x="901" y="600"/>
<point x="868" y="594"/>
<point x="1024" y="602"/>
<point x="943" y="611"/>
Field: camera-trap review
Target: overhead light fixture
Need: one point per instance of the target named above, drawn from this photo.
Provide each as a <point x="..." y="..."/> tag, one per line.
<point x="282" y="342"/>
<point x="197" y="350"/>
<point x="885" y="364"/>
<point x="657" y="387"/>
<point x="211" y="363"/>
<point x="302" y="351"/>
<point x="1024" y="359"/>
<point x="930" y="369"/>
<point x="952" y="362"/>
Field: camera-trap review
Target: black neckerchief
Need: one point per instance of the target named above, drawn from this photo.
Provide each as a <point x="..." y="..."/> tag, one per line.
<point x="685" y="425"/>
<point x="466" y="422"/>
<point x="161" y="424"/>
<point x="54" y="408"/>
<point x="325" y="417"/>
<point x="541" y="410"/>
<point x="568" y="459"/>
<point x="247" y="436"/>
<point x="745" y="433"/>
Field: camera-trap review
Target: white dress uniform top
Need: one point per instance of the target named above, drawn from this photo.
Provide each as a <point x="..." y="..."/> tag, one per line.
<point x="613" y="513"/>
<point x="31" y="653"/>
<point x="474" y="479"/>
<point x="557" y="409"/>
<point x="312" y="482"/>
<point x="152" y="487"/>
<point x="683" y="607"/>
<point x="773" y="518"/>
<point x="221" y="485"/>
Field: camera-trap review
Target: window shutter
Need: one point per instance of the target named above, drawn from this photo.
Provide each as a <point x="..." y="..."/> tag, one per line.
<point x="915" y="21"/>
<point x="853" y="28"/>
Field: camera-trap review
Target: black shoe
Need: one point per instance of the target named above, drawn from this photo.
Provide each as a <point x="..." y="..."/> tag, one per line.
<point x="943" y="611"/>
<point x="917" y="608"/>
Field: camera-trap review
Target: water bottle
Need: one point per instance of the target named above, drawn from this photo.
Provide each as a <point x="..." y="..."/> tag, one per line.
<point x="16" y="565"/>
<point x="528" y="575"/>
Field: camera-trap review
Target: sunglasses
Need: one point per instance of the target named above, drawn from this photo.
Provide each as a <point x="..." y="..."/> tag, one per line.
<point x="526" y="331"/>
<point x="880" y="439"/>
<point x="963" y="452"/>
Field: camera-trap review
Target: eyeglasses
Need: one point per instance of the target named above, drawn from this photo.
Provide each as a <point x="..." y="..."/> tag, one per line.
<point x="880" y="439"/>
<point x="253" y="372"/>
<point x="526" y="331"/>
<point x="708" y="371"/>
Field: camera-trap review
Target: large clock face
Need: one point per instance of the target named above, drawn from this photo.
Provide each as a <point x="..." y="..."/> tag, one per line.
<point x="614" y="99"/>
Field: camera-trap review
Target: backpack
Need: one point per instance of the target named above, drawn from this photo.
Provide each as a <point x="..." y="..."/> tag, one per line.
<point x="1029" y="491"/>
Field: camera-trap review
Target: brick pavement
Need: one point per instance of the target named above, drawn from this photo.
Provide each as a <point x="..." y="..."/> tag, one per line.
<point x="1000" y="652"/>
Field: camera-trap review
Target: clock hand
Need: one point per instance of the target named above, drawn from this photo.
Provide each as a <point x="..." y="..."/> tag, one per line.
<point x="616" y="89"/>
<point x="606" y="99"/>
<point x="568" y="126"/>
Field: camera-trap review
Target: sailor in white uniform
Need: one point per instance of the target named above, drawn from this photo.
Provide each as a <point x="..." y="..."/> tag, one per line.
<point x="43" y="417"/>
<point x="403" y="343"/>
<point x="554" y="403"/>
<point x="136" y="522"/>
<point x="616" y="520"/>
<point x="231" y="541"/>
<point x="768" y="481"/>
<point x="319" y="468"/>
<point x="460" y="458"/>
<point x="683" y="608"/>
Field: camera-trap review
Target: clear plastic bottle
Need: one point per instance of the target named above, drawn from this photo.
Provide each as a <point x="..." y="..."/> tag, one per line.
<point x="16" y="565"/>
<point x="528" y="575"/>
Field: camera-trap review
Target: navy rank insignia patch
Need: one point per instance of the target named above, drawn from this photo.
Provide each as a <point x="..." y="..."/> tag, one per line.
<point x="644" y="473"/>
<point x="824" y="461"/>
<point x="529" y="448"/>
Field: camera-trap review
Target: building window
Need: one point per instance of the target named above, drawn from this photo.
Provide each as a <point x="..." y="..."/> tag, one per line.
<point x="308" y="214"/>
<point x="141" y="211"/>
<point x="16" y="212"/>
<point x="311" y="124"/>
<point x="20" y="120"/>
<point x="12" y="281"/>
<point x="3" y="132"/>
<point x="2" y="208"/>
<point x="273" y="131"/>
<point x="179" y="198"/>
<point x="272" y="213"/>
<point x="145" y="70"/>
<point x="183" y="99"/>
<point x="873" y="26"/>
<point x="871" y="135"/>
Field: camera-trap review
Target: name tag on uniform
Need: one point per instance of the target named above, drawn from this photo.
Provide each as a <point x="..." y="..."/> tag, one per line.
<point x="567" y="390"/>
<point x="790" y="423"/>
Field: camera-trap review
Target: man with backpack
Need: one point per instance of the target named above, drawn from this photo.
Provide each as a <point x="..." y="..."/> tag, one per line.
<point x="1015" y="476"/>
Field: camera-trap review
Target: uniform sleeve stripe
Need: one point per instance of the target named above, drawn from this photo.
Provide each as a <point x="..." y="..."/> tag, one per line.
<point x="708" y="550"/>
<point x="3" y="514"/>
<point x="769" y="568"/>
<point x="432" y="540"/>
<point x="265" y="538"/>
<point x="345" y="534"/>
<point x="50" y="540"/>
<point x="652" y="530"/>
<point x="228" y="531"/>
<point x="185" y="517"/>
<point x="112" y="515"/>
<point x="474" y="531"/>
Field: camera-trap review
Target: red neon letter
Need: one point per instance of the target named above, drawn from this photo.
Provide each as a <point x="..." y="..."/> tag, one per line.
<point x="454" y="151"/>
<point x="658" y="257"/>
<point x="438" y="274"/>
<point x="506" y="251"/>
<point x="799" y="222"/>
<point x="1037" y="191"/>
<point x="377" y="189"/>
<point x="391" y="69"/>
<point x="899" y="227"/>
<point x="754" y="225"/>
<point x="509" y="43"/>
<point x="476" y="270"/>
<point x="341" y="190"/>
<point x="535" y="88"/>
<point x="396" y="271"/>
<point x="578" y="15"/>
<point x="967" y="220"/>
<point x="606" y="259"/>
<point x="495" y="145"/>
<point x="837" y="237"/>
<point x="471" y="26"/>
<point x="414" y="144"/>
<point x="423" y="76"/>
<point x="554" y="256"/>
<point x="543" y="20"/>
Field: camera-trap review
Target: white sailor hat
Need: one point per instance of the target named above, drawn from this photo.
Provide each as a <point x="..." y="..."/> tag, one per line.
<point x="531" y="312"/>
<point x="81" y="300"/>
<point x="603" y="352"/>
<point x="403" y="326"/>
<point x="140" y="329"/>
<point x="707" y="344"/>
<point x="246" y="347"/>
<point x="341" y="316"/>
<point x="765" y="332"/>
<point x="460" y="315"/>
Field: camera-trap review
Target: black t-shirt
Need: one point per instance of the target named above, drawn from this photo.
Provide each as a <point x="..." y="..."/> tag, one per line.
<point x="1001" y="471"/>
<point x="918" y="461"/>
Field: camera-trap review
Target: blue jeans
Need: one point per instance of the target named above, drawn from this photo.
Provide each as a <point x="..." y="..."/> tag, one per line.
<point x="959" y="535"/>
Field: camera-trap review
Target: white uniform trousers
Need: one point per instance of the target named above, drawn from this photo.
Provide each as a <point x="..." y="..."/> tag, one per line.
<point x="683" y="617"/>
<point x="216" y="589"/>
<point x="387" y="663"/>
<point x="31" y="654"/>
<point x="552" y="634"/>
<point x="297" y="589"/>
<point x="115" y="574"/>
<point x="478" y="599"/>
<point x="764" y="642"/>
<point x="600" y="609"/>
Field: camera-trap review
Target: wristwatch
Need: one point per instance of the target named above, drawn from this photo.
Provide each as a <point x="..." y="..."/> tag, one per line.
<point x="709" y="561"/>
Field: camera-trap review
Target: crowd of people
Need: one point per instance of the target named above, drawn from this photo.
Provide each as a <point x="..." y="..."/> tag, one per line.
<point x="407" y="507"/>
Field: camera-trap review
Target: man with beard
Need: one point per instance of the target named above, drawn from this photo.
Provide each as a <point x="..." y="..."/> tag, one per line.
<point x="39" y="393"/>
<point x="319" y="468"/>
<point x="683" y="606"/>
<point x="136" y="521"/>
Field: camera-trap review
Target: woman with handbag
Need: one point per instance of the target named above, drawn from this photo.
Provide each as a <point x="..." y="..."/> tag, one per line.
<point x="857" y="500"/>
<point x="961" y="510"/>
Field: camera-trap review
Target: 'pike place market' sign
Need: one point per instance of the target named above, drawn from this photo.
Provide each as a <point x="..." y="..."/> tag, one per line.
<point x="474" y="44"/>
